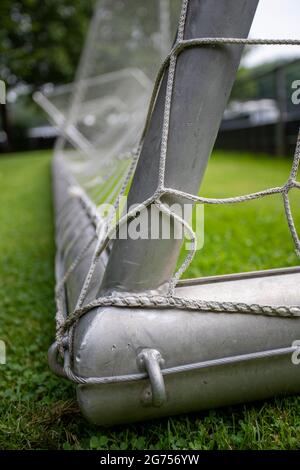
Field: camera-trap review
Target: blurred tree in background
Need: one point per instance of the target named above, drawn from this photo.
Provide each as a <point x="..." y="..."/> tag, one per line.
<point x="41" y="40"/>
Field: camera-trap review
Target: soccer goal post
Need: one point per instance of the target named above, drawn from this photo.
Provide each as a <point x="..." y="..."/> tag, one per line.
<point x="137" y="341"/>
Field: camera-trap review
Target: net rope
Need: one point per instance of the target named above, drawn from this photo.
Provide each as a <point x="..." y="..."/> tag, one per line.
<point x="105" y="227"/>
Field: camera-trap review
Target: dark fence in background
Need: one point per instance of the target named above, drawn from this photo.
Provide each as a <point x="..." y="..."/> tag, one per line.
<point x="261" y="116"/>
<point x="24" y="131"/>
<point x="261" y="138"/>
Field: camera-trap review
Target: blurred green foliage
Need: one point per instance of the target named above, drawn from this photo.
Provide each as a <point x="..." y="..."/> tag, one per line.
<point x="260" y="82"/>
<point x="41" y="41"/>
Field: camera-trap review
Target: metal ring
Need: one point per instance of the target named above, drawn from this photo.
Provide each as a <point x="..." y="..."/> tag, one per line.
<point x="150" y="360"/>
<point x="54" y="365"/>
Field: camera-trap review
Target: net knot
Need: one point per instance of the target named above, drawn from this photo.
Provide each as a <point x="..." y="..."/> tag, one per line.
<point x="290" y="184"/>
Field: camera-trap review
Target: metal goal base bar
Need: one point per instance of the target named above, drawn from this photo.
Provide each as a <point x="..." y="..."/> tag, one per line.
<point x="209" y="359"/>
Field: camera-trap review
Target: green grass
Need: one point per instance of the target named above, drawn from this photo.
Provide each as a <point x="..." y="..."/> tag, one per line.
<point x="38" y="410"/>
<point x="251" y="235"/>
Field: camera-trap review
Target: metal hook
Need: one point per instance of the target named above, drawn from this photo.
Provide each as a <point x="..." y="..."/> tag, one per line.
<point x="150" y="360"/>
<point x="54" y="365"/>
